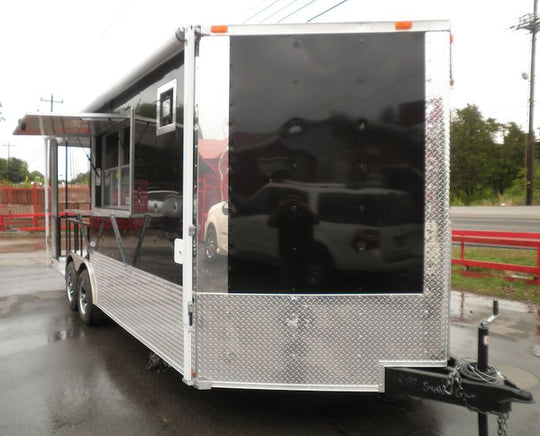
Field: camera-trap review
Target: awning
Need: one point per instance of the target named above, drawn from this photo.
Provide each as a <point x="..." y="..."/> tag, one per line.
<point x="67" y="126"/>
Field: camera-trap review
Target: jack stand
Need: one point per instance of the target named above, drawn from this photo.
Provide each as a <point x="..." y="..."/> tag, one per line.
<point x="482" y="366"/>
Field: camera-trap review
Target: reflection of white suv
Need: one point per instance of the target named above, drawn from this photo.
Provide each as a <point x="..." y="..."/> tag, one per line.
<point x="366" y="229"/>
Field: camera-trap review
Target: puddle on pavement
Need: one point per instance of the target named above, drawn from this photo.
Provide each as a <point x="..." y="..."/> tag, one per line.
<point x="462" y="314"/>
<point x="66" y="334"/>
<point x="516" y="320"/>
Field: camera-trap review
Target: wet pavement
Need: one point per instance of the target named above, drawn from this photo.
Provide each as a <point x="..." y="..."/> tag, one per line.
<point x="59" y="377"/>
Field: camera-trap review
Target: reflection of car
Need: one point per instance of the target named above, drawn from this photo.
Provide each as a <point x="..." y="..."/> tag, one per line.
<point x="367" y="229"/>
<point x="164" y="203"/>
<point x="216" y="230"/>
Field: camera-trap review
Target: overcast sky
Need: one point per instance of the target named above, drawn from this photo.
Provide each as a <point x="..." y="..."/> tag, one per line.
<point x="77" y="50"/>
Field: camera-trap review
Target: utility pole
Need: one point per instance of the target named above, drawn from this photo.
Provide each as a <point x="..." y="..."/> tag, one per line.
<point x="8" y="145"/>
<point x="52" y="101"/>
<point x="531" y="23"/>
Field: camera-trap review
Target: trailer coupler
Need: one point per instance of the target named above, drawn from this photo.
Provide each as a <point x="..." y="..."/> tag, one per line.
<point x="458" y="383"/>
<point x="477" y="386"/>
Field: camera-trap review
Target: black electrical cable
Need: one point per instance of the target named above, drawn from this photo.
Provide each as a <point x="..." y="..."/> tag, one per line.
<point x="328" y="10"/>
<point x="470" y="371"/>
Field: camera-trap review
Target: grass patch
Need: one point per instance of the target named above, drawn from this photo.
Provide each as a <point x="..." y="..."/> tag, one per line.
<point x="498" y="287"/>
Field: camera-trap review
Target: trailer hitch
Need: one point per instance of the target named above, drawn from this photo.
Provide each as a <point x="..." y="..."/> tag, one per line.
<point x="475" y="385"/>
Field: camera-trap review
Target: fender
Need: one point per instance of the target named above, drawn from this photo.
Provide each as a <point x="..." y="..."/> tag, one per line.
<point x="84" y="263"/>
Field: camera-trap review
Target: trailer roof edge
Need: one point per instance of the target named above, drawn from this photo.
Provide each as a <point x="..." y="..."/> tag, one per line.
<point x="168" y="50"/>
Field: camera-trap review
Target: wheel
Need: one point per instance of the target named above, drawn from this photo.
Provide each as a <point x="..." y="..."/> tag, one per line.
<point x="71" y="286"/>
<point x="211" y="247"/>
<point x="88" y="313"/>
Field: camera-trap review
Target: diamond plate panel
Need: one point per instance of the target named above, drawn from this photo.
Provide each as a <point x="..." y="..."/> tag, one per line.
<point x="147" y="306"/>
<point x="310" y="340"/>
<point x="343" y="342"/>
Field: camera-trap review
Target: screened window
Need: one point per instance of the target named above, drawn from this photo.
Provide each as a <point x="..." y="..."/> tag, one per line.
<point x="115" y="167"/>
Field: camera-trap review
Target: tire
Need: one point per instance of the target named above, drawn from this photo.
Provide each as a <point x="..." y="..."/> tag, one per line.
<point x="88" y="313"/>
<point x="72" y="277"/>
<point x="211" y="247"/>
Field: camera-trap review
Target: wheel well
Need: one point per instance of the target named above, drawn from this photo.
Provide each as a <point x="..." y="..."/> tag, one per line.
<point x="81" y="267"/>
<point x="78" y="261"/>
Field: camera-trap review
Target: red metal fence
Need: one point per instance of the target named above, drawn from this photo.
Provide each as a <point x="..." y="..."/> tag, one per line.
<point x="497" y="239"/>
<point x="24" y="208"/>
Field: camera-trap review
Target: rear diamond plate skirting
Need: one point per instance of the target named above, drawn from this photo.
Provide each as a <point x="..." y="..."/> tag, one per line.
<point x="147" y="306"/>
<point x="313" y="340"/>
<point x="343" y="342"/>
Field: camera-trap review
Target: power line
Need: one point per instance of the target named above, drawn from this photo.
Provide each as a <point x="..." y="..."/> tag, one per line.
<point x="297" y="10"/>
<point x="262" y="10"/>
<point x="278" y="11"/>
<point x="254" y="8"/>
<point x="328" y="10"/>
<point x="128" y="4"/>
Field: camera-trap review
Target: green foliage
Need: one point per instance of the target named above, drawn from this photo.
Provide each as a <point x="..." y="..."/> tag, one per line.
<point x="497" y="285"/>
<point x="508" y="159"/>
<point x="516" y="193"/>
<point x="483" y="170"/>
<point x="81" y="178"/>
<point x="36" y="176"/>
<point x="15" y="172"/>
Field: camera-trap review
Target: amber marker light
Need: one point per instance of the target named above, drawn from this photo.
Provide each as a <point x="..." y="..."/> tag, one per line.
<point x="219" y="29"/>
<point x="403" y="25"/>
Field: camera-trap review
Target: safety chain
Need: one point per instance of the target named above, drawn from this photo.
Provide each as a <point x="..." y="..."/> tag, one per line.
<point x="454" y="379"/>
<point x="503" y="424"/>
<point x="454" y="386"/>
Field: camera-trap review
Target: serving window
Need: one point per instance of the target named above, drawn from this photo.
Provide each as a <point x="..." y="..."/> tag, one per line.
<point x="113" y="160"/>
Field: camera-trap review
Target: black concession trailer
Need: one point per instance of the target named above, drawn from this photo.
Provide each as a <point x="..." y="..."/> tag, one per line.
<point x="270" y="208"/>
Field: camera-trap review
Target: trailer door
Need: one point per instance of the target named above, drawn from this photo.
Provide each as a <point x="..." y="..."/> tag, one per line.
<point x="322" y="204"/>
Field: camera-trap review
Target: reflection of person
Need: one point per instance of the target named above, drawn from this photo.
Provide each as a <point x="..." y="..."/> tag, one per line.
<point x="294" y="221"/>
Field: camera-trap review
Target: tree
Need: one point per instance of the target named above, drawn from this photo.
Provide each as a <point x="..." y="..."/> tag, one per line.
<point x="508" y="159"/>
<point x="36" y="176"/>
<point x="82" y="178"/>
<point x="13" y="171"/>
<point x="471" y="154"/>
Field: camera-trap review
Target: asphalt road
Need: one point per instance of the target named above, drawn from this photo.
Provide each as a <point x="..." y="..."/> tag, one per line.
<point x="59" y="377"/>
<point x="498" y="218"/>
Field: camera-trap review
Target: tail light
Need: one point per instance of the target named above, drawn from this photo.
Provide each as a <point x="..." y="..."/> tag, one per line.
<point x="367" y="240"/>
